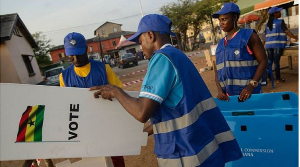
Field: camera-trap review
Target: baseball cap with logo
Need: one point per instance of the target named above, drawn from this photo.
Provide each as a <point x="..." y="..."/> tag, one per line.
<point x="227" y="8"/>
<point x="75" y="44"/>
<point x="153" y="22"/>
<point x="274" y="9"/>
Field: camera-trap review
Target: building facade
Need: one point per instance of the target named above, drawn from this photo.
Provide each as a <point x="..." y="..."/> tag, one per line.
<point x="107" y="44"/>
<point x="18" y="63"/>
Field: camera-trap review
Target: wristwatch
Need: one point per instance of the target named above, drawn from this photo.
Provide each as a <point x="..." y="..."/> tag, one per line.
<point x="254" y="83"/>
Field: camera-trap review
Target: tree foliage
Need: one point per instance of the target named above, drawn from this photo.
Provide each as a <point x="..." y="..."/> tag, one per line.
<point x="206" y="8"/>
<point x="192" y="14"/>
<point x="264" y="16"/>
<point x="180" y="13"/>
<point x="42" y="52"/>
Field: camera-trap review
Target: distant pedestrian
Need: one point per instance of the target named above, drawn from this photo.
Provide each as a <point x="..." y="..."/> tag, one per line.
<point x="241" y="60"/>
<point x="112" y="62"/>
<point x="275" y="40"/>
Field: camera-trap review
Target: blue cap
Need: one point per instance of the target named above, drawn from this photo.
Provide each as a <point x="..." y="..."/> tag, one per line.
<point x="153" y="22"/>
<point x="75" y="44"/>
<point x="274" y="9"/>
<point x="227" y="8"/>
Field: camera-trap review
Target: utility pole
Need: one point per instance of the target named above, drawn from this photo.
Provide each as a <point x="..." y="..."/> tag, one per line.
<point x="100" y="47"/>
<point x="141" y="8"/>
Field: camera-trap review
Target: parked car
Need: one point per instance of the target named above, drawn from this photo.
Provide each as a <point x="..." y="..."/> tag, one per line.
<point x="127" y="59"/>
<point x="52" y="76"/>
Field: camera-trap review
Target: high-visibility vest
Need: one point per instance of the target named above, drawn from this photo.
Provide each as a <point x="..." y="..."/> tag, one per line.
<point x="194" y="132"/>
<point x="235" y="65"/>
<point x="96" y="77"/>
<point x="275" y="38"/>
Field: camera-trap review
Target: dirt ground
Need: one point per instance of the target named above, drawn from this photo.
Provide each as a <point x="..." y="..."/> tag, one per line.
<point x="147" y="157"/>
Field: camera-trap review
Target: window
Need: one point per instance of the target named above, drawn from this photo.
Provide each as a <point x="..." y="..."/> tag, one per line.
<point x="284" y="13"/>
<point x="91" y="48"/>
<point x="103" y="32"/>
<point x="61" y="55"/>
<point x="293" y="11"/>
<point x="16" y="31"/>
<point x="115" y="29"/>
<point x="114" y="43"/>
<point x="102" y="46"/>
<point x="27" y="62"/>
<point x="290" y="11"/>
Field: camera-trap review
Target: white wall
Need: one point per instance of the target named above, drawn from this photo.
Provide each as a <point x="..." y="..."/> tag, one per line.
<point x="17" y="47"/>
<point x="292" y="20"/>
<point x="8" y="73"/>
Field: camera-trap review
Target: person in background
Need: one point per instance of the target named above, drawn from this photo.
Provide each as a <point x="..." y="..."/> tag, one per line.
<point x="86" y="73"/>
<point x="241" y="60"/>
<point x="34" y="162"/>
<point x="189" y="128"/>
<point x="275" y="39"/>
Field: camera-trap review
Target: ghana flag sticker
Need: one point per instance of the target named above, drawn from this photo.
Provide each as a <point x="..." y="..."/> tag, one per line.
<point x="31" y="124"/>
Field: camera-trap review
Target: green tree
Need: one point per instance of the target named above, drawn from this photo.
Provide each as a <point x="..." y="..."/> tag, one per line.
<point x="196" y="23"/>
<point x="191" y="14"/>
<point x="42" y="52"/>
<point x="264" y="16"/>
<point x="181" y="15"/>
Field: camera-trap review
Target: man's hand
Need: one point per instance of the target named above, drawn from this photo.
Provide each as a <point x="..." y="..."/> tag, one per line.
<point x="246" y="92"/>
<point x="222" y="96"/>
<point x="106" y="91"/>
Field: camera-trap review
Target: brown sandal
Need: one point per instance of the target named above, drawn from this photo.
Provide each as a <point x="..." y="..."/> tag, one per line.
<point x="280" y="80"/>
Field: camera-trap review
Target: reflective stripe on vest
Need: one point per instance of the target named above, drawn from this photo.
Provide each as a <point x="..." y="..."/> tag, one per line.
<point x="198" y="159"/>
<point x="238" y="64"/>
<point x="275" y="34"/>
<point x="237" y="82"/>
<point x="186" y="120"/>
<point x="223" y="84"/>
<point x="272" y="42"/>
<point x="275" y="38"/>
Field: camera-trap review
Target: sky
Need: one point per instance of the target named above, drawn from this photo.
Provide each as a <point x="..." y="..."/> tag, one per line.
<point x="57" y="18"/>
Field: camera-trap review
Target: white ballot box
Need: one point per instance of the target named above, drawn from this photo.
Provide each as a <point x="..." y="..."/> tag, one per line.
<point x="53" y="122"/>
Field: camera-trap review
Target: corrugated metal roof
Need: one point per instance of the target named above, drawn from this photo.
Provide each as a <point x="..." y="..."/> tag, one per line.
<point x="104" y="24"/>
<point x="111" y="36"/>
<point x="8" y="22"/>
<point x="96" y="39"/>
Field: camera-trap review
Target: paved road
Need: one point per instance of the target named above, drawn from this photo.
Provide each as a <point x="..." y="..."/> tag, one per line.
<point x="142" y="65"/>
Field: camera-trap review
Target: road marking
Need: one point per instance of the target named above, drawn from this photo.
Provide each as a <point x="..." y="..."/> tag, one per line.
<point x="141" y="80"/>
<point x="133" y="82"/>
<point x="133" y="73"/>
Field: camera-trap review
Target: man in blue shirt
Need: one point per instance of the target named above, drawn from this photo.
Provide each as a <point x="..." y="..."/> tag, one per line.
<point x="188" y="127"/>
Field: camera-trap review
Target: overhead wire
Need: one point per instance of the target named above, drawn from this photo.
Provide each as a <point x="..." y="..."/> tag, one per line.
<point x="98" y="23"/>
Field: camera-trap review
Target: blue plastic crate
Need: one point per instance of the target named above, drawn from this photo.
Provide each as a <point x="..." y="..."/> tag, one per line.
<point x="266" y="128"/>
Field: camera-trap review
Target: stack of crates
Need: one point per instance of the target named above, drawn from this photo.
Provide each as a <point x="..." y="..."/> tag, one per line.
<point x="266" y="128"/>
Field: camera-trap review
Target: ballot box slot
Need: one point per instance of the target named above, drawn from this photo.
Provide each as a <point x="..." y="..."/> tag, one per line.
<point x="243" y="128"/>
<point x="286" y="97"/>
<point x="288" y="127"/>
<point x="243" y="113"/>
